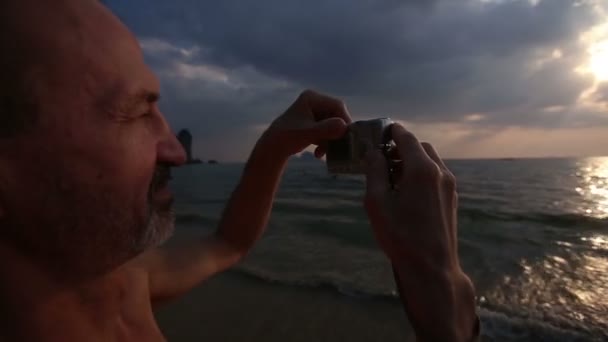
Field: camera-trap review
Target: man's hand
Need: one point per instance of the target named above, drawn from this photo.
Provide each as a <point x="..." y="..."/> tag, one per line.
<point x="415" y="224"/>
<point x="313" y="118"/>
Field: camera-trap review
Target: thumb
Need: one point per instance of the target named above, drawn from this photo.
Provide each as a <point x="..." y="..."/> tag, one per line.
<point x="328" y="129"/>
<point x="376" y="171"/>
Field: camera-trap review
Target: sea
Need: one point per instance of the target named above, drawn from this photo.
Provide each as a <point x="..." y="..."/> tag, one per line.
<point x="533" y="237"/>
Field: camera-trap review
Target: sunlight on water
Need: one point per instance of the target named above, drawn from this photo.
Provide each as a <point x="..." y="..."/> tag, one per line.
<point x="597" y="242"/>
<point x="571" y="286"/>
<point x="569" y="283"/>
<point x="593" y="187"/>
<point x="591" y="285"/>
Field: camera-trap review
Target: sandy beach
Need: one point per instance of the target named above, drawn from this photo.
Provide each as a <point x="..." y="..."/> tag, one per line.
<point x="236" y="307"/>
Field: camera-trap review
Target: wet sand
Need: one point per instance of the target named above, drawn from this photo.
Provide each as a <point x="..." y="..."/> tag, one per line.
<point x="235" y="307"/>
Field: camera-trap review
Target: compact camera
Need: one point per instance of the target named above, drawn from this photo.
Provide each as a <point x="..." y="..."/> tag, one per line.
<point x="347" y="154"/>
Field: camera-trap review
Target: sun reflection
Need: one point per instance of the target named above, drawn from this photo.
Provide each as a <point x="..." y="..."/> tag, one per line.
<point x="569" y="285"/>
<point x="597" y="242"/>
<point x="593" y="187"/>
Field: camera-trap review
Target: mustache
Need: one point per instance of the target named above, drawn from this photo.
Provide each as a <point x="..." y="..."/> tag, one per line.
<point x="162" y="176"/>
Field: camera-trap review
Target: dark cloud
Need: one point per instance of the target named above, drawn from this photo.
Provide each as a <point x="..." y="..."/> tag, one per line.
<point x="429" y="61"/>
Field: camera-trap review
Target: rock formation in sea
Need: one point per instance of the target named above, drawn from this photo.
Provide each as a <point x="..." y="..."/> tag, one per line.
<point x="185" y="138"/>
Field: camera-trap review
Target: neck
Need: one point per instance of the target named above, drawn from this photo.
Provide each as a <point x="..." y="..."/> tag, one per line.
<point x="40" y="304"/>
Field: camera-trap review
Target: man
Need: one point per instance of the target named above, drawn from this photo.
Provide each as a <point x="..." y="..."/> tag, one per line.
<point x="85" y="204"/>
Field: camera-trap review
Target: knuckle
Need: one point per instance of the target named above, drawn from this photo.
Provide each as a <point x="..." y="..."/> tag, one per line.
<point x="340" y="104"/>
<point x="404" y="136"/>
<point x="307" y="93"/>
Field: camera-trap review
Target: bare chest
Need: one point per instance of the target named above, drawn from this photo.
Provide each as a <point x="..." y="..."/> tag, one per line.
<point x="136" y="321"/>
<point x="128" y="319"/>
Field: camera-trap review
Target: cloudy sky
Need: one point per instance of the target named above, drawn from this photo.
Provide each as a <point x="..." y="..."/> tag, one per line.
<point x="477" y="78"/>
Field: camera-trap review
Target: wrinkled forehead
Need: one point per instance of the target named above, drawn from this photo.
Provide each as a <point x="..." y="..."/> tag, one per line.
<point x="81" y="44"/>
<point x="113" y="53"/>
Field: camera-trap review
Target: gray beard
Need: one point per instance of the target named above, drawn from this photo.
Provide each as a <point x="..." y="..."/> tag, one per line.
<point x="160" y="227"/>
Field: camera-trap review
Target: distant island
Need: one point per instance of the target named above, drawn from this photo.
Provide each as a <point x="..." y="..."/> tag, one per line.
<point x="185" y="138"/>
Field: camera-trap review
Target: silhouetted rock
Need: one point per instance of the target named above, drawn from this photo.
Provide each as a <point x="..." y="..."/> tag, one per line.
<point x="185" y="138"/>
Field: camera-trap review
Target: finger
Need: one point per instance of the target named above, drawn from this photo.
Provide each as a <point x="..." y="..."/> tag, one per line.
<point x="324" y="106"/>
<point x="321" y="148"/>
<point x="328" y="129"/>
<point x="396" y="172"/>
<point x="409" y="148"/>
<point x="432" y="153"/>
<point x="377" y="175"/>
<point x="393" y="153"/>
<point x="449" y="183"/>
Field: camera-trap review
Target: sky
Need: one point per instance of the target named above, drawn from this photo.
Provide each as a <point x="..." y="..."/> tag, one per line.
<point x="476" y="78"/>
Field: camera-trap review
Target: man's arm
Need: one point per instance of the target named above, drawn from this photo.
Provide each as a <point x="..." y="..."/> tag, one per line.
<point x="446" y="311"/>
<point x="312" y="119"/>
<point x="415" y="223"/>
<point x="176" y="269"/>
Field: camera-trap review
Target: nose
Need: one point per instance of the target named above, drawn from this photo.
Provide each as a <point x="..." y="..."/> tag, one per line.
<point x="171" y="151"/>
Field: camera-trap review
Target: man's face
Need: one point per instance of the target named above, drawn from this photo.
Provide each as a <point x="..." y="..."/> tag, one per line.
<point x="86" y="188"/>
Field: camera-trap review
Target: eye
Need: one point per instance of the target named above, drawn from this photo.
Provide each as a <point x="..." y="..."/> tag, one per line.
<point x="147" y="114"/>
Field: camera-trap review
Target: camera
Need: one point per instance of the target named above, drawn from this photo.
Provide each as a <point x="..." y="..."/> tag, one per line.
<point x="347" y="154"/>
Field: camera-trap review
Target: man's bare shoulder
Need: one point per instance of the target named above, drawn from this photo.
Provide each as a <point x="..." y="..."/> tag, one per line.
<point x="175" y="269"/>
<point x="137" y="318"/>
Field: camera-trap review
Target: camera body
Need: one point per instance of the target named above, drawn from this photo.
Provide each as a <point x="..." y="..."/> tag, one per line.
<point x="347" y="154"/>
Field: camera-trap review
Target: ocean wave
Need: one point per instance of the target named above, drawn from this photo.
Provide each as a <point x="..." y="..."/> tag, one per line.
<point x="496" y="325"/>
<point x="350" y="225"/>
<point x="556" y="220"/>
<point x="267" y="277"/>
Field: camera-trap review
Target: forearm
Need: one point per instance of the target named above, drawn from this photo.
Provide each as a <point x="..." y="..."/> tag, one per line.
<point x="248" y="210"/>
<point x="446" y="312"/>
<point x="174" y="270"/>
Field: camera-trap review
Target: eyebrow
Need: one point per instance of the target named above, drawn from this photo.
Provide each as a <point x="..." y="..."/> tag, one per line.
<point x="133" y="101"/>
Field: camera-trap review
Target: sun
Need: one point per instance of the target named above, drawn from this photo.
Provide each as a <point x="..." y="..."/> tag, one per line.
<point x="598" y="64"/>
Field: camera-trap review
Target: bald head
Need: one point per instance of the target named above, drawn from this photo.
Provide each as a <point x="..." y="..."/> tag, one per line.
<point x="54" y="45"/>
<point x="83" y="137"/>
